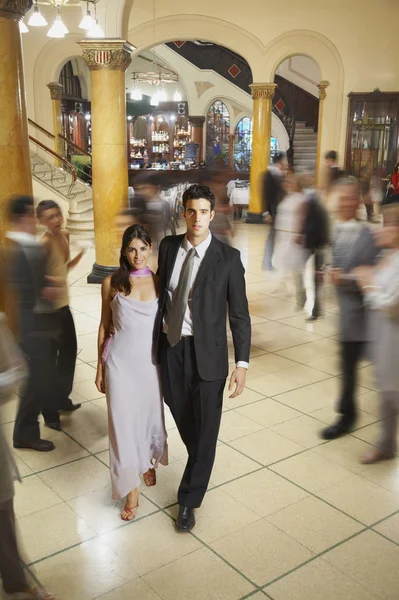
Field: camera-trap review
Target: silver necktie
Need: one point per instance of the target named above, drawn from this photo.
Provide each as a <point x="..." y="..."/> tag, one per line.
<point x="180" y="300"/>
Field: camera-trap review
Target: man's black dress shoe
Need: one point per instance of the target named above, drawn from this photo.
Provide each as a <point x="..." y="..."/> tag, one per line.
<point x="185" y="519"/>
<point x="335" y="431"/>
<point x="69" y="406"/>
<point x="55" y="426"/>
<point x="39" y="445"/>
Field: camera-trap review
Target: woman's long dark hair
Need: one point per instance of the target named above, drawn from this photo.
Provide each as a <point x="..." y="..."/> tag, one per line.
<point x="120" y="280"/>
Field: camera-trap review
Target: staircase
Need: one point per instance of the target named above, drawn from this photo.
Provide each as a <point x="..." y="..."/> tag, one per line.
<point x="53" y="172"/>
<point x="305" y="147"/>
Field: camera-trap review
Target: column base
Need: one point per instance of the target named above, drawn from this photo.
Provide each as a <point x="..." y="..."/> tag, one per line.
<point x="99" y="273"/>
<point x="254" y="218"/>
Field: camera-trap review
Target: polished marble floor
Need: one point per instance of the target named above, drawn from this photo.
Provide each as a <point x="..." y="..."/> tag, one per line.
<point x="287" y="516"/>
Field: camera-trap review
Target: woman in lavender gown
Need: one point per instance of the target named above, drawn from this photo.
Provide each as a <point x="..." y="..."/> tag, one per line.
<point x="126" y="372"/>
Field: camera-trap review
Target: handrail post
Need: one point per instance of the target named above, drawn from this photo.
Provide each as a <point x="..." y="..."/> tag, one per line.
<point x="56" y="91"/>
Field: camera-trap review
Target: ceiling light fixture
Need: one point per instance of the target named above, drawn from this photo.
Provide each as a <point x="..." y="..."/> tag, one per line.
<point x="22" y="27"/>
<point x="36" y="19"/>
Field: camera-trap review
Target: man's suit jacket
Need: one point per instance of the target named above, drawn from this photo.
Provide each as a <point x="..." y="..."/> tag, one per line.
<point x="273" y="192"/>
<point x="220" y="282"/>
<point x="353" y="318"/>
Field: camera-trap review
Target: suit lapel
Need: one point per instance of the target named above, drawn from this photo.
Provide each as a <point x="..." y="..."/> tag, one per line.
<point x="171" y="258"/>
<point x="210" y="259"/>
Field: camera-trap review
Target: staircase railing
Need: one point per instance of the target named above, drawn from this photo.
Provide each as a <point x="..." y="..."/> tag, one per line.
<point x="71" y="152"/>
<point x="57" y="172"/>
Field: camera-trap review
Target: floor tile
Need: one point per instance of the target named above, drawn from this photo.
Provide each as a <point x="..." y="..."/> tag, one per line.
<point x="370" y="560"/>
<point x="317" y="580"/>
<point x="266" y="446"/>
<point x="89" y="427"/>
<point x="134" y="590"/>
<point x="104" y="457"/>
<point x="276" y="336"/>
<point x="168" y="480"/>
<point x="272" y="308"/>
<point x="303" y="430"/>
<point x="85" y="572"/>
<point x="361" y="499"/>
<point x="85" y="324"/>
<point x="323" y="327"/>
<point x="150" y="543"/>
<point x="101" y="513"/>
<point x="311" y="471"/>
<point x="8" y="410"/>
<point x="268" y="412"/>
<point x="345" y="451"/>
<point x="84" y="372"/>
<point x="87" y="347"/>
<point x="51" y="530"/>
<point x="286" y="380"/>
<point x="269" y="363"/>
<point x="314" y="524"/>
<point x="385" y="474"/>
<point x="327" y="364"/>
<point x="235" y="425"/>
<point x="77" y="478"/>
<point x="370" y="403"/>
<point x="264" y="492"/>
<point x="317" y="395"/>
<point x="198" y="576"/>
<point x="87" y="388"/>
<point x="33" y="495"/>
<point x="247" y="397"/>
<point x="230" y="464"/>
<point x="389" y="528"/>
<point x="261" y="552"/>
<point x="304" y="353"/>
<point x="220" y="514"/>
<point x="328" y="415"/>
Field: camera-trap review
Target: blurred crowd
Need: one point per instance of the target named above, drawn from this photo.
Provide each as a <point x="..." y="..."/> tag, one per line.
<point x="310" y="230"/>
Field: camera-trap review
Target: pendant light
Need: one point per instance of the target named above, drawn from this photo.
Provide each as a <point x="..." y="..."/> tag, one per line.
<point x="36" y="19"/>
<point x="177" y="96"/>
<point x="58" y="28"/>
<point x="87" y="22"/>
<point x="95" y="30"/>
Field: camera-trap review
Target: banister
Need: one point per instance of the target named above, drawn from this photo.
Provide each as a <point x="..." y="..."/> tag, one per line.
<point x="58" y="156"/>
<point x="74" y="145"/>
<point x="40" y="128"/>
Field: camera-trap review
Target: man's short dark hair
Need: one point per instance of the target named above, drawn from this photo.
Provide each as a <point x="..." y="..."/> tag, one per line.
<point x="46" y="205"/>
<point x="199" y="192"/>
<point x="19" y="206"/>
<point x="332" y="155"/>
<point x="278" y="158"/>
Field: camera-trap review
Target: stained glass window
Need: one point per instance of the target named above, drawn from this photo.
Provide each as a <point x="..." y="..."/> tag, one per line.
<point x="243" y="145"/>
<point x="274" y="149"/>
<point x="217" y="135"/>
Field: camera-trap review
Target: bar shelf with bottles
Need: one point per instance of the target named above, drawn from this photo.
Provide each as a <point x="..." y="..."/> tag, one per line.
<point x="182" y="136"/>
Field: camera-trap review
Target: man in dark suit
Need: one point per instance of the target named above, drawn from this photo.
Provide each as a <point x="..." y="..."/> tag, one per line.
<point x="38" y="323"/>
<point x="198" y="278"/>
<point x="273" y="193"/>
<point x="353" y="246"/>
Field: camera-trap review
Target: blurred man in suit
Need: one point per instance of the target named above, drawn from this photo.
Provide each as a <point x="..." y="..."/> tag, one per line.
<point x="273" y="193"/>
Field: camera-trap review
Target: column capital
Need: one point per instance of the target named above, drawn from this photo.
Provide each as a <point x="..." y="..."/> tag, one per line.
<point x="113" y="55"/>
<point x="196" y="121"/>
<point x="263" y="90"/>
<point x="14" y="9"/>
<point x="323" y="85"/>
<point x="56" y="90"/>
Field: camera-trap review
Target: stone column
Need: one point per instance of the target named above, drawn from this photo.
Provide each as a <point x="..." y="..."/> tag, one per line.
<point x="107" y="61"/>
<point x="56" y="91"/>
<point x="323" y="85"/>
<point x="15" y="169"/>
<point x="197" y="133"/>
<point x="262" y="94"/>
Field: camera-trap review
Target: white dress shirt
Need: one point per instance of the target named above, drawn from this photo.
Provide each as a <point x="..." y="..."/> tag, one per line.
<point x="200" y="251"/>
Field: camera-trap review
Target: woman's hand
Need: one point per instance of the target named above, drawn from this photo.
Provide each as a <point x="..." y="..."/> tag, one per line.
<point x="100" y="384"/>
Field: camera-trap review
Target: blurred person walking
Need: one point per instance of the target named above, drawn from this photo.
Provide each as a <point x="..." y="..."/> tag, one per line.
<point x="353" y="246"/>
<point x="59" y="263"/>
<point x="273" y="193"/>
<point x="34" y="294"/>
<point x="380" y="286"/>
<point x="12" y="373"/>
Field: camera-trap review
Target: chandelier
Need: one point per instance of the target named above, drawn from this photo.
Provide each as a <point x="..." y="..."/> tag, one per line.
<point x="89" y="23"/>
<point x="157" y="78"/>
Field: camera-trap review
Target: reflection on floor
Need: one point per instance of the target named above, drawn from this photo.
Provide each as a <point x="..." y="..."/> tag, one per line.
<point x="287" y="516"/>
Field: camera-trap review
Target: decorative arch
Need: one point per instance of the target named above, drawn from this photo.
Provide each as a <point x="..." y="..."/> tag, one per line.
<point x="217" y="122"/>
<point x="320" y="49"/>
<point x="197" y="27"/>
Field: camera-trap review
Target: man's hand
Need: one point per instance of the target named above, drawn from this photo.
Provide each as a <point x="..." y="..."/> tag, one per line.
<point x="237" y="378"/>
<point x="364" y="275"/>
<point x="335" y="275"/>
